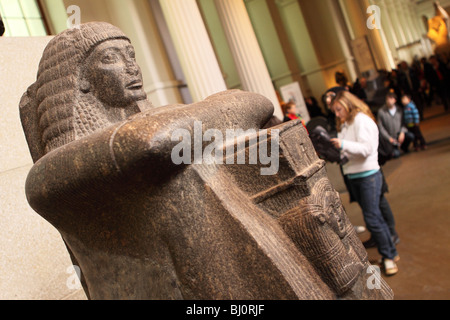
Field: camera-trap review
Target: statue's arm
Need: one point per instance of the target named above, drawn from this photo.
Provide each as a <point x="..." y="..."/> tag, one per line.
<point x="139" y="148"/>
<point x="75" y="172"/>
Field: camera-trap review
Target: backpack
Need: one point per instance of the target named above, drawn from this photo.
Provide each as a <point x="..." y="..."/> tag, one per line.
<point x="385" y="150"/>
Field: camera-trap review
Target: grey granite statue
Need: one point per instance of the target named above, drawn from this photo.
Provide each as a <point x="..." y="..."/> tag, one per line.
<point x="143" y="226"/>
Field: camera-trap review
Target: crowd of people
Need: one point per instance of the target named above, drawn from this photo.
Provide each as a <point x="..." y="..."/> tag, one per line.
<point x="409" y="89"/>
<point x="399" y="106"/>
<point x="368" y="135"/>
<point x="424" y="80"/>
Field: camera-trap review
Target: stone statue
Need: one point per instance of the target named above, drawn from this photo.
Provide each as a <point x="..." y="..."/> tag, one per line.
<point x="439" y="30"/>
<point x="143" y="226"/>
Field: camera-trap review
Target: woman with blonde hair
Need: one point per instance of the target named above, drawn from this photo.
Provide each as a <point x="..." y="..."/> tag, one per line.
<point x="358" y="140"/>
<point x="354" y="105"/>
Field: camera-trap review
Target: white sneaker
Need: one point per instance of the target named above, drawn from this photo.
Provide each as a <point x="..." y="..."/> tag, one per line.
<point x="390" y="267"/>
<point x="396" y="259"/>
<point x="360" y="229"/>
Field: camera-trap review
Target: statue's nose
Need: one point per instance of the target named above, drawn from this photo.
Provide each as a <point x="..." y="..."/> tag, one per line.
<point x="133" y="68"/>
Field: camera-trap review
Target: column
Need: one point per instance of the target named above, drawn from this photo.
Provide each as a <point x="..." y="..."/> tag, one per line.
<point x="381" y="46"/>
<point x="285" y="44"/>
<point x="410" y="25"/>
<point x="403" y="21"/>
<point x="416" y="21"/>
<point x="397" y="27"/>
<point x="194" y="49"/>
<point x="387" y="24"/>
<point x="56" y="14"/>
<point x="300" y="39"/>
<point x="246" y="52"/>
<point x="404" y="18"/>
<point x="343" y="41"/>
<point x="388" y="31"/>
<point x="387" y="36"/>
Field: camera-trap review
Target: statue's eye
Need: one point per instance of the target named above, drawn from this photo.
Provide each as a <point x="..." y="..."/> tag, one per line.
<point x="132" y="54"/>
<point x="110" y="57"/>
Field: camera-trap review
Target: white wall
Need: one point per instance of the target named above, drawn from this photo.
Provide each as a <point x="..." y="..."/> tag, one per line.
<point x="34" y="260"/>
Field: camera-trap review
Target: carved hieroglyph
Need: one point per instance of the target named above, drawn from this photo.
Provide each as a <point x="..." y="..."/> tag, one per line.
<point x="141" y="227"/>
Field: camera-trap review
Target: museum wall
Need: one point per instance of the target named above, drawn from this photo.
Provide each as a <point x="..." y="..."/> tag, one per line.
<point x="35" y="263"/>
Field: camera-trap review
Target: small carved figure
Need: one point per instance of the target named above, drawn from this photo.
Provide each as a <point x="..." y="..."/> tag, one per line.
<point x="141" y="227"/>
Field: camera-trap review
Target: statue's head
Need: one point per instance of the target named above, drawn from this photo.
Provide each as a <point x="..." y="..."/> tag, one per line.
<point x="111" y="74"/>
<point x="88" y="79"/>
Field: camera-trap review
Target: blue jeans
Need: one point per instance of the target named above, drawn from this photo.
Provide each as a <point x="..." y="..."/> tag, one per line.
<point x="367" y="192"/>
<point x="388" y="215"/>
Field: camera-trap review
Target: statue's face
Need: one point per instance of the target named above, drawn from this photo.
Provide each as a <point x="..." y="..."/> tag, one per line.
<point x="331" y="208"/>
<point x="112" y="74"/>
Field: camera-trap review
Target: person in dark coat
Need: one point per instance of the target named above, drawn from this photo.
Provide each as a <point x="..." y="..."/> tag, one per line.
<point x="437" y="76"/>
<point x="313" y="107"/>
<point x="409" y="83"/>
<point x="359" y="89"/>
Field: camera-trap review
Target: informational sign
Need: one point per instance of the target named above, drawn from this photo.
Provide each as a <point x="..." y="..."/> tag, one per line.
<point x="293" y="92"/>
<point x="363" y="55"/>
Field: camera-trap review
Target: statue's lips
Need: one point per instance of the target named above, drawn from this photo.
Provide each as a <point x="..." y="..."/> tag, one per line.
<point x="135" y="85"/>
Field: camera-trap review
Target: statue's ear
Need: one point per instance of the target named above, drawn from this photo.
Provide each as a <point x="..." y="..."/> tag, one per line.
<point x="85" y="85"/>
